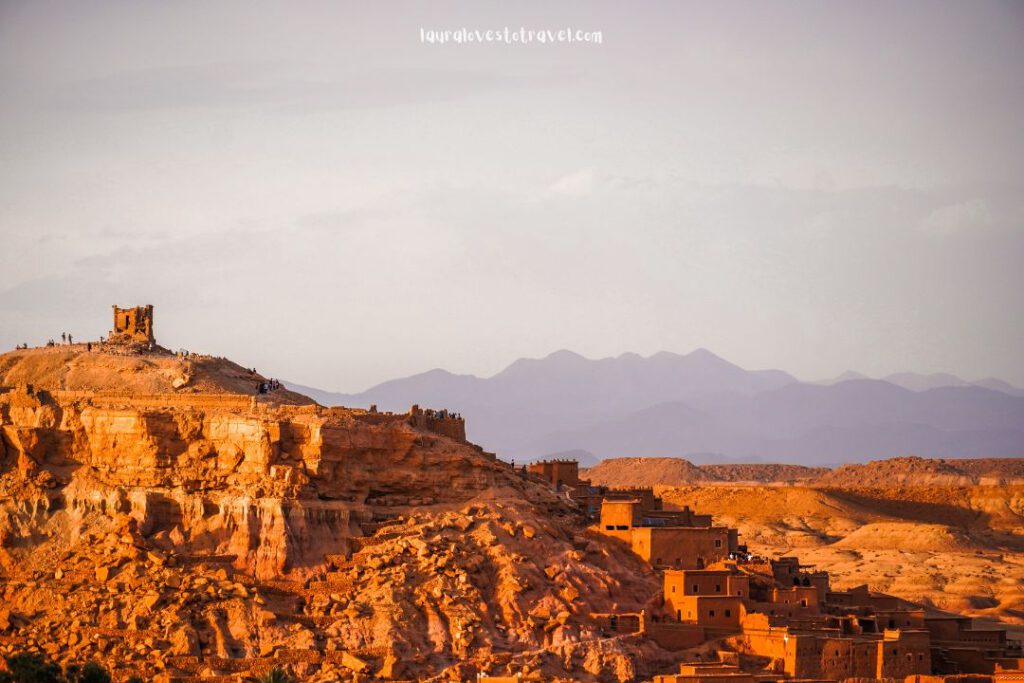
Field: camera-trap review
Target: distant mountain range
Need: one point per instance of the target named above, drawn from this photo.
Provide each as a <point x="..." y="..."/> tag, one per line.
<point x="918" y="382"/>
<point x="704" y="408"/>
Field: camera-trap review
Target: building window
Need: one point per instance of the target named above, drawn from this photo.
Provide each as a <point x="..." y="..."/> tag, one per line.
<point x="803" y="603"/>
<point x="718" y="543"/>
<point x="718" y="588"/>
<point x="673" y="589"/>
<point x="610" y="527"/>
<point x="622" y="527"/>
<point x="696" y="588"/>
<point x="728" y="612"/>
<point x="711" y="613"/>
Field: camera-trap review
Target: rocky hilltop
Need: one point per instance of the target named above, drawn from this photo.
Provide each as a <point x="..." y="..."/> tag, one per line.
<point x="157" y="514"/>
<point x="128" y="370"/>
<point x="913" y="471"/>
<point x="679" y="471"/>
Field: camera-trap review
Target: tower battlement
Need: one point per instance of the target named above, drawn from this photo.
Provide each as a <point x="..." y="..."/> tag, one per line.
<point x="133" y="325"/>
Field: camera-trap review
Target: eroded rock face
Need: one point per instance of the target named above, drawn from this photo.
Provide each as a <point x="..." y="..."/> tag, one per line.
<point x="273" y="485"/>
<point x="214" y="537"/>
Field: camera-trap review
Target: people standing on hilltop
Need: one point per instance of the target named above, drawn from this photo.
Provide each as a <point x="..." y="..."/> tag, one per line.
<point x="69" y="338"/>
<point x="63" y="337"/>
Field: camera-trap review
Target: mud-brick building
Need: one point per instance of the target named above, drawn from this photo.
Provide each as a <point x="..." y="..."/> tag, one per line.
<point x="558" y="472"/>
<point x="709" y="597"/>
<point x="706" y="672"/>
<point x="822" y="654"/>
<point x="959" y="647"/>
<point x="677" y="539"/>
<point x="788" y="571"/>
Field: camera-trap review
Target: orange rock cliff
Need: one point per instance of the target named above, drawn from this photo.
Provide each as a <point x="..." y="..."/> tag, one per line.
<point x="168" y="515"/>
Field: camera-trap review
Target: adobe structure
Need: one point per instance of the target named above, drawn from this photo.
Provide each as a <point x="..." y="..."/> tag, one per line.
<point x="133" y="325"/>
<point x="564" y="476"/>
<point x="780" y="618"/>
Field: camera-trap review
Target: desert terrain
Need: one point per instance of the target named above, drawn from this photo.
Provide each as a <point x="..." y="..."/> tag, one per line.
<point x="159" y="516"/>
<point x="945" y="533"/>
<point x="178" y="517"/>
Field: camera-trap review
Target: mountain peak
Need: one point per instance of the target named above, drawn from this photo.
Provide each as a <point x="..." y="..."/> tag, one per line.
<point x="564" y="354"/>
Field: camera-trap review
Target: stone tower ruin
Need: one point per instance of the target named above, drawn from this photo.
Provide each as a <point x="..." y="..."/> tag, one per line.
<point x="133" y="325"/>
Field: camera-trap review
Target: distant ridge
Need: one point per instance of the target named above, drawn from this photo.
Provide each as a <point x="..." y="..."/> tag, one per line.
<point x="903" y="471"/>
<point x="695" y="404"/>
<point x="919" y="382"/>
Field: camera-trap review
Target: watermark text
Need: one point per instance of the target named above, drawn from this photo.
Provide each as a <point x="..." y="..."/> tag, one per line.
<point x="509" y="36"/>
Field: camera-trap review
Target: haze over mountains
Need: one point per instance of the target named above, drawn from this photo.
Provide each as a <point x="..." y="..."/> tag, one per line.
<point x="704" y="408"/>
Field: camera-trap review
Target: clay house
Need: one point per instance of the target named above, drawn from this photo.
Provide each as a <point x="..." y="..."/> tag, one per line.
<point x="706" y="597"/>
<point x="706" y="672"/>
<point x="788" y="571"/>
<point x="822" y="652"/>
<point x="957" y="647"/>
<point x="558" y="473"/>
<point x="675" y="539"/>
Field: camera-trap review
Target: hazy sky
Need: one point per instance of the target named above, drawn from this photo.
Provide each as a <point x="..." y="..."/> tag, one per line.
<point x="309" y="189"/>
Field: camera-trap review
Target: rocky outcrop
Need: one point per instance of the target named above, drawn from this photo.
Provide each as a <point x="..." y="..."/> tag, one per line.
<point x="286" y="481"/>
<point x="212" y="535"/>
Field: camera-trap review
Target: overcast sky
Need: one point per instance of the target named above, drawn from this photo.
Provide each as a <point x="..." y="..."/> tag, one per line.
<point x="309" y="189"/>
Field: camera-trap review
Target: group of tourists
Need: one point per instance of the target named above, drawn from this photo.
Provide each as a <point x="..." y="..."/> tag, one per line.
<point x="444" y="414"/>
<point x="268" y="386"/>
